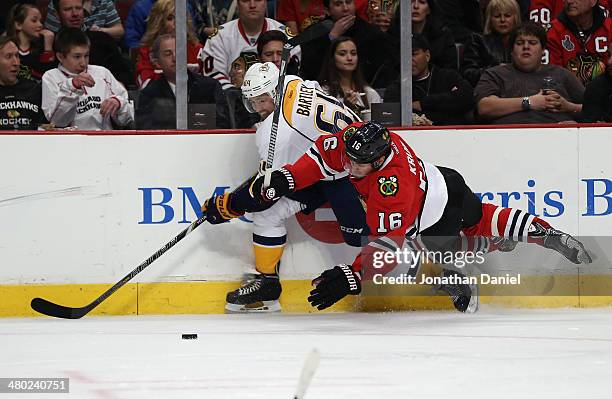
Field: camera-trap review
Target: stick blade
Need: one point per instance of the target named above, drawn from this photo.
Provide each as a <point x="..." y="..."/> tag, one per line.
<point x="308" y="371"/>
<point x="54" y="310"/>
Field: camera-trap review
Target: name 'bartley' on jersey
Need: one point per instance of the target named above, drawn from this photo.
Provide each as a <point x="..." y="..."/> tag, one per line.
<point x="481" y="279"/>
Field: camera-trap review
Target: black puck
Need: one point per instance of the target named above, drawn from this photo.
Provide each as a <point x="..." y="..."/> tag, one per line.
<point x="189" y="336"/>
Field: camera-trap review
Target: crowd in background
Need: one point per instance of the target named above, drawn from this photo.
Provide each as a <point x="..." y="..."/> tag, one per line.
<point x="111" y="64"/>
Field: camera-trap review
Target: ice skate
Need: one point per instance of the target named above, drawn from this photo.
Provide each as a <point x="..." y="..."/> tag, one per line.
<point x="259" y="294"/>
<point x="563" y="243"/>
<point x="464" y="296"/>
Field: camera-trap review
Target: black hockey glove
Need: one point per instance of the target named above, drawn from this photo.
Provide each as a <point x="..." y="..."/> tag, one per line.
<point x="217" y="209"/>
<point x="333" y="285"/>
<point x="281" y="184"/>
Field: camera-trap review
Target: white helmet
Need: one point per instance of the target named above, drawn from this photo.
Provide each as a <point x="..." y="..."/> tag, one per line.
<point x="259" y="79"/>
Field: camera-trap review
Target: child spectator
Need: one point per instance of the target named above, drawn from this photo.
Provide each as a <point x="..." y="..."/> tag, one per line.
<point x="19" y="98"/>
<point x="162" y="21"/>
<point x="35" y="44"/>
<point x="104" y="50"/>
<point x="492" y="48"/>
<point x="341" y="77"/>
<point x="76" y="94"/>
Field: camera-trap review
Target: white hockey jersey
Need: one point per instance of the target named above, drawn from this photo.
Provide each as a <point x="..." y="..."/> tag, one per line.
<point x="307" y="113"/>
<point x="65" y="106"/>
<point x="228" y="43"/>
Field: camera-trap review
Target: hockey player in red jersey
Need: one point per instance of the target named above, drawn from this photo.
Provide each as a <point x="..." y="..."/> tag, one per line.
<point x="405" y="197"/>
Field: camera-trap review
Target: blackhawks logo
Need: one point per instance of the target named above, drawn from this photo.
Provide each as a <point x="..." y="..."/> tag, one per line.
<point x="388" y="186"/>
<point x="348" y="133"/>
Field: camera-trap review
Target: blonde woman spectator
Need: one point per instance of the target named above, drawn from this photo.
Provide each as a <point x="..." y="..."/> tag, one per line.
<point x="161" y="21"/>
<point x="341" y="78"/>
<point x="24" y="26"/>
<point x="492" y="48"/>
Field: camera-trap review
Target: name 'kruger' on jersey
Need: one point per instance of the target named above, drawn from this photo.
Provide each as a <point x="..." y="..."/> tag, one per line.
<point x="307" y="113"/>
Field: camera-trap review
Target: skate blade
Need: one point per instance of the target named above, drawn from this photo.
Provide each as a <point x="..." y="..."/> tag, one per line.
<point x="474" y="300"/>
<point x="256" y="307"/>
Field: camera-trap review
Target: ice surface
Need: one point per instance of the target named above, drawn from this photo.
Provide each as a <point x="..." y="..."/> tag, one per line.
<point x="495" y="353"/>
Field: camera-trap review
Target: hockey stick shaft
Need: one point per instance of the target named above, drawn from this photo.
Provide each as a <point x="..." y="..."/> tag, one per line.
<point x="52" y="309"/>
<point x="277" y="110"/>
<point x="308" y="370"/>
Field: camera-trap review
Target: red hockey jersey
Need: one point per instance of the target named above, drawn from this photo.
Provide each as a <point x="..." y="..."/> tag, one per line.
<point x="583" y="53"/>
<point x="544" y="12"/>
<point x="394" y="195"/>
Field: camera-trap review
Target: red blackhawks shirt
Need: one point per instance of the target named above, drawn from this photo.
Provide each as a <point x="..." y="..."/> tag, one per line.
<point x="393" y="195"/>
<point x="543" y="12"/>
<point x="585" y="53"/>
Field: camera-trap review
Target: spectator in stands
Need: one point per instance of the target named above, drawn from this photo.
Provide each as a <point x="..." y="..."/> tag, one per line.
<point x="201" y="89"/>
<point x="35" y="44"/>
<point x="5" y="7"/>
<point x="377" y="50"/>
<point x="439" y="94"/>
<point x="101" y="15"/>
<point x="236" y="38"/>
<point x="104" y="50"/>
<point x="270" y="49"/>
<point x="527" y="91"/>
<point x="136" y="22"/>
<point x="597" y="106"/>
<point x="492" y="48"/>
<point x="425" y="20"/>
<point x="77" y="94"/>
<point x="462" y="17"/>
<point x="341" y="77"/>
<point x="544" y="12"/>
<point x="579" y="38"/>
<point x="19" y="98"/>
<point x="299" y="14"/>
<point x="210" y="14"/>
<point x="161" y="21"/>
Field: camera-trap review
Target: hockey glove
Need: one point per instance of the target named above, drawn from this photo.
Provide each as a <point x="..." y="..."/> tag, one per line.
<point x="333" y="285"/>
<point x="281" y="184"/>
<point x="217" y="209"/>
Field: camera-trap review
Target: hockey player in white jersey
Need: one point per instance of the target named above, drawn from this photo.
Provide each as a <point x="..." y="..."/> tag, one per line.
<point x="76" y="94"/>
<point x="306" y="113"/>
<point x="238" y="37"/>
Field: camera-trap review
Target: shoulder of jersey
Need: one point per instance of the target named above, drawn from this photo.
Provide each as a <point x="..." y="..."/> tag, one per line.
<point x="215" y="32"/>
<point x="288" y="31"/>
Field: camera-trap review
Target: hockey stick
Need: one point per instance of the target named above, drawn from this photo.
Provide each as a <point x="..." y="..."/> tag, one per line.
<point x="313" y="32"/>
<point x="52" y="309"/>
<point x="308" y="370"/>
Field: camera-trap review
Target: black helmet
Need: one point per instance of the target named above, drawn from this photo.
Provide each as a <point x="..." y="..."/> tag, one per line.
<point x="366" y="142"/>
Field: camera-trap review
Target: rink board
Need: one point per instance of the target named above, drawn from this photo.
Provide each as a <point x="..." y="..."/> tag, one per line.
<point x="80" y="211"/>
